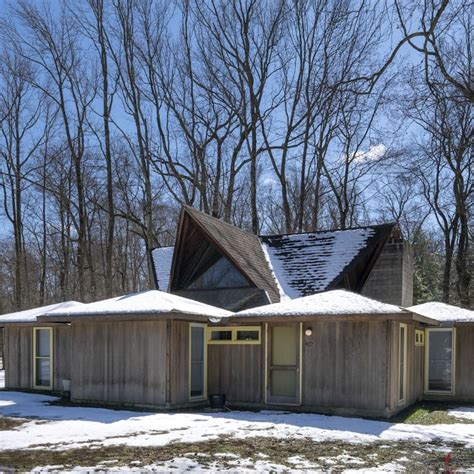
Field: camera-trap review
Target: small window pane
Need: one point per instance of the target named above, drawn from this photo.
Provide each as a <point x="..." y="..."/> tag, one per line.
<point x="440" y="361"/>
<point x="221" y="336"/>
<point x="43" y="372"/>
<point x="247" y="335"/>
<point x="43" y="343"/>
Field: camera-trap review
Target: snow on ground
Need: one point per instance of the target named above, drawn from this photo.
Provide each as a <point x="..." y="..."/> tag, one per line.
<point x="466" y="413"/>
<point x="74" y="427"/>
<point x="336" y="302"/>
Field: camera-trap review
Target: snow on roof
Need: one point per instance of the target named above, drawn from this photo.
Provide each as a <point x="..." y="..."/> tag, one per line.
<point x="146" y="302"/>
<point x="308" y="263"/>
<point x="30" y="315"/>
<point x="162" y="259"/>
<point x="443" y="312"/>
<point x="330" y="302"/>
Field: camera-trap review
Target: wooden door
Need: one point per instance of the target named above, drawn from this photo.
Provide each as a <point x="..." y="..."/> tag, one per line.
<point x="284" y="364"/>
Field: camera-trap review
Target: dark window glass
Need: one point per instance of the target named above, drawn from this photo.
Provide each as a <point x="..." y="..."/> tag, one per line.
<point x="197" y="361"/>
<point x="440" y="361"/>
<point x="221" y="336"/>
<point x="222" y="274"/>
<point x="247" y="335"/>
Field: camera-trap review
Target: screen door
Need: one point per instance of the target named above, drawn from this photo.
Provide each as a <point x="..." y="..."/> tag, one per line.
<point x="283" y="377"/>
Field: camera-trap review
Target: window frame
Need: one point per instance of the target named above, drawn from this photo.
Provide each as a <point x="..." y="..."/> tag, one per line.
<point x="419" y="337"/>
<point x="202" y="397"/>
<point x="403" y="400"/>
<point x="234" y="330"/>
<point x="50" y="358"/>
<point x="453" y="362"/>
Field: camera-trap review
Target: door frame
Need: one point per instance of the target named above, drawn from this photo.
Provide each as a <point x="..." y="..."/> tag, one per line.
<point x="51" y="358"/>
<point x="453" y="362"/>
<point x="204" y="335"/>
<point x="299" y="370"/>
<point x="403" y="400"/>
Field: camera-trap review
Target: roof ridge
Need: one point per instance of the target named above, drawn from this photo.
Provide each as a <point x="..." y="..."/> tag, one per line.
<point x="221" y="221"/>
<point x="385" y="224"/>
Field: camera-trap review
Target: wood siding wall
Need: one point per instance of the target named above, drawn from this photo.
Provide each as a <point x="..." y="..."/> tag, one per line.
<point x="19" y="356"/>
<point x="464" y="363"/>
<point x="345" y="365"/>
<point x="415" y="367"/>
<point x="238" y="371"/>
<point x="122" y="362"/>
<point x="179" y="362"/>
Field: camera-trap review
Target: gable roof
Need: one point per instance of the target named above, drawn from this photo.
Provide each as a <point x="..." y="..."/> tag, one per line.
<point x="31" y="315"/>
<point x="146" y="302"/>
<point x="444" y="313"/>
<point x="162" y="259"/>
<point x="284" y="266"/>
<point x="308" y="263"/>
<point x="335" y="302"/>
<point x="242" y="248"/>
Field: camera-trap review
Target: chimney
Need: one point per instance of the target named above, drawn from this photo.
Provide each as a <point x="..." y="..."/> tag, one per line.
<point x="391" y="278"/>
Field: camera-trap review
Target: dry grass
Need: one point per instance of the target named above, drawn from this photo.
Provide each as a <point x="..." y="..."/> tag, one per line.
<point x="7" y="423"/>
<point x="420" y="457"/>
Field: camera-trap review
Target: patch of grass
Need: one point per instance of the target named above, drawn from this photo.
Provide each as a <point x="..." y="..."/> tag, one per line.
<point x="7" y="423"/>
<point x="416" y="457"/>
<point x="429" y="413"/>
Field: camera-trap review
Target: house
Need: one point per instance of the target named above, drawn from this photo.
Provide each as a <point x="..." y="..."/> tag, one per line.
<point x="449" y="352"/>
<point x="222" y="265"/>
<point x="283" y="331"/>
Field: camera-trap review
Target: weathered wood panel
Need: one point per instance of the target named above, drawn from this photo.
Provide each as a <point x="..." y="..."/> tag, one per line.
<point x="62" y="355"/>
<point x="237" y="371"/>
<point x="123" y="362"/>
<point x="345" y="365"/>
<point x="18" y="357"/>
<point x="464" y="363"/>
<point x="179" y="363"/>
<point x="415" y="367"/>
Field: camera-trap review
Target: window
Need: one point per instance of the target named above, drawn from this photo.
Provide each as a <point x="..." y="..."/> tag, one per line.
<point x="402" y="358"/>
<point x="221" y="274"/>
<point x="43" y="358"/>
<point x="440" y="361"/>
<point x="419" y="338"/>
<point x="234" y="335"/>
<point x="197" y="362"/>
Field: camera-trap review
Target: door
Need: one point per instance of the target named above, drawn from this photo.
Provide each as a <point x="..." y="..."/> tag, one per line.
<point x="197" y="362"/>
<point x="284" y="364"/>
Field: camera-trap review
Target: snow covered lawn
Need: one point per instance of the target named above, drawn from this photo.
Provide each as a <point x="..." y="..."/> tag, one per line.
<point x="55" y="429"/>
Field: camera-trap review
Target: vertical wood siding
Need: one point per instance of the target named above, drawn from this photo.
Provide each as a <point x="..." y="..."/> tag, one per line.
<point x="345" y="365"/>
<point x="237" y="371"/>
<point x="123" y="362"/>
<point x="465" y="363"/>
<point x="19" y="357"/>
<point x="179" y="363"/>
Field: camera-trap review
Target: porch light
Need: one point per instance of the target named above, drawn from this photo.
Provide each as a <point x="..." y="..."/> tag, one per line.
<point x="308" y="331"/>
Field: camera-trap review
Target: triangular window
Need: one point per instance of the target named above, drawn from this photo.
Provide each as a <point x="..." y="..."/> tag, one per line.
<point x="221" y="274"/>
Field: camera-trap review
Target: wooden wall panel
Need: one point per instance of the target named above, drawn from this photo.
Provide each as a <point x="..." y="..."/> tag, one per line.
<point x="123" y="362"/>
<point x="62" y="355"/>
<point x="19" y="357"/>
<point x="345" y="365"/>
<point x="465" y="363"/>
<point x="179" y="362"/>
<point x="236" y="370"/>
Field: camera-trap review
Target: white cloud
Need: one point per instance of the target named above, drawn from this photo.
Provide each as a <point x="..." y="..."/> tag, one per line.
<point x="374" y="153"/>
